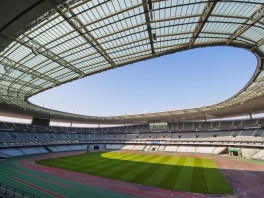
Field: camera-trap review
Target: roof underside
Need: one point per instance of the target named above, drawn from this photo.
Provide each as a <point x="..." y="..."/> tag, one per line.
<point x="80" y="38"/>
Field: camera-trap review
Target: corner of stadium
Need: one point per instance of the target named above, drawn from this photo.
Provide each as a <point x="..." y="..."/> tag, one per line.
<point x="208" y="151"/>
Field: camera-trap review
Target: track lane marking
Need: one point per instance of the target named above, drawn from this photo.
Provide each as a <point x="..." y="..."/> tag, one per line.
<point x="43" y="179"/>
<point x="37" y="187"/>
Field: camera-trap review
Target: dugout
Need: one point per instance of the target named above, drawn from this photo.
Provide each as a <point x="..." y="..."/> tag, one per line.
<point x="234" y="151"/>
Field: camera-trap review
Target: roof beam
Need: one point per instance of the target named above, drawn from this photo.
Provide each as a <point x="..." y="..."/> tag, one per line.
<point x="14" y="81"/>
<point x="124" y="29"/>
<point x="78" y="26"/>
<point x="21" y="82"/>
<point x="204" y="32"/>
<point x="254" y="18"/>
<point x="33" y="44"/>
<point x="11" y="64"/>
<point x="259" y="43"/>
<point x="113" y="14"/>
<point x="147" y="18"/>
<point x="134" y="26"/>
<point x="50" y="15"/>
<point x="154" y="21"/>
<point x="110" y="48"/>
<point x="167" y="19"/>
<point x="208" y="8"/>
<point x="143" y="39"/>
<point x="6" y="91"/>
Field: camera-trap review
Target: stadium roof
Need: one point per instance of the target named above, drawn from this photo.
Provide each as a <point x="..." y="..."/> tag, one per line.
<point x="79" y="38"/>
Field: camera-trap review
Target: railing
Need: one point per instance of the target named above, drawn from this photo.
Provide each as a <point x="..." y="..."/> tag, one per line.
<point x="9" y="191"/>
<point x="141" y="140"/>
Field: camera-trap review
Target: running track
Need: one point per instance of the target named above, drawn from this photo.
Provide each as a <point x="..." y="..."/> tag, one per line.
<point x="247" y="179"/>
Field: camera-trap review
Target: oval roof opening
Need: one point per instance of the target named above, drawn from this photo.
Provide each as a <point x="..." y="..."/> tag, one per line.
<point x="187" y="79"/>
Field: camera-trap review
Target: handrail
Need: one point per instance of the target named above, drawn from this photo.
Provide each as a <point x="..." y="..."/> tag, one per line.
<point x="13" y="192"/>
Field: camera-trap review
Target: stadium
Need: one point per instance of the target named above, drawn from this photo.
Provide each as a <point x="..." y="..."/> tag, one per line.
<point x="209" y="151"/>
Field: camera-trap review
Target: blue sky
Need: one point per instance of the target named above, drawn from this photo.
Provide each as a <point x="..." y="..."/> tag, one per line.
<point x="182" y="80"/>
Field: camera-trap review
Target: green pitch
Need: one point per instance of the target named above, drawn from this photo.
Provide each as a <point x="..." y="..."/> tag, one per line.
<point x="170" y="172"/>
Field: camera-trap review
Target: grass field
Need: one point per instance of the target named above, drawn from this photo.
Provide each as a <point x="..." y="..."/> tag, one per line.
<point x="170" y="172"/>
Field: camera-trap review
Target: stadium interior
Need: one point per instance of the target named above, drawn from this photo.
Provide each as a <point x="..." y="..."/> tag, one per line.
<point x="47" y="43"/>
<point x="194" y="137"/>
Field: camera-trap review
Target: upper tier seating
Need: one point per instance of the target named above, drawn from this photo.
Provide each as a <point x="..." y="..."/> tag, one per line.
<point x="172" y="126"/>
<point x="233" y="136"/>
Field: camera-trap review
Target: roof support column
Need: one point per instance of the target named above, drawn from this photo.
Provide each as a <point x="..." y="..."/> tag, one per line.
<point x="203" y="19"/>
<point x="147" y="5"/>
<point x="254" y="18"/>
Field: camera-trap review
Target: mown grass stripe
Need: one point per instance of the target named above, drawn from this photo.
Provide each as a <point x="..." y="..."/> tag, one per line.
<point x="127" y="157"/>
<point x="216" y="182"/>
<point x="170" y="178"/>
<point x="117" y="155"/>
<point x="198" y="182"/>
<point x="184" y="178"/>
<point x="149" y="169"/>
<point x="139" y="166"/>
<point x="126" y="166"/>
<point x="158" y="174"/>
<point x="100" y="168"/>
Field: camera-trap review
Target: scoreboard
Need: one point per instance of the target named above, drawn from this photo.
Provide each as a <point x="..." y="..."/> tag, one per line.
<point x="158" y="126"/>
